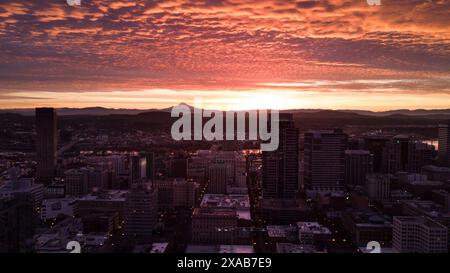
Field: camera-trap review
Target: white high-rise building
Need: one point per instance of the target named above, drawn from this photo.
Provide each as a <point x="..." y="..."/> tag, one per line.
<point x="417" y="234"/>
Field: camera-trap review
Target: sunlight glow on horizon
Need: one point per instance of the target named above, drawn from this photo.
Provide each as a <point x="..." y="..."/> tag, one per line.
<point x="263" y="98"/>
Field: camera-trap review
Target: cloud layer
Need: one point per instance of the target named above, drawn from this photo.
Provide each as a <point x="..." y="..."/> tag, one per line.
<point x="302" y="48"/>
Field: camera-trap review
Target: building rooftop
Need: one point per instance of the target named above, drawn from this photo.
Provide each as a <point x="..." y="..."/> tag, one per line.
<point x="159" y="247"/>
<point x="240" y="202"/>
<point x="236" y="249"/>
<point x="226" y="201"/>
<point x="291" y="204"/>
<point x="55" y="238"/>
<point x="417" y="179"/>
<point x="368" y="217"/>
<point x="312" y="227"/>
<point x="357" y="152"/>
<point x="441" y="192"/>
<point x="112" y="195"/>
<point x="436" y="169"/>
<point x="276" y="231"/>
<point x="401" y="195"/>
<point x="427" y="207"/>
<point x="68" y="200"/>
<point x="219" y="249"/>
<point x="224" y="212"/>
<point x="21" y="185"/>
<point x="294" y="248"/>
<point x="426" y="183"/>
<point x="420" y="220"/>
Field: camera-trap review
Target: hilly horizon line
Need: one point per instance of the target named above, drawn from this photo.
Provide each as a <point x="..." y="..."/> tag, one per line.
<point x="100" y="110"/>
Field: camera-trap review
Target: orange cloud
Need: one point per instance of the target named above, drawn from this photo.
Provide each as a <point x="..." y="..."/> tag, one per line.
<point x="216" y="45"/>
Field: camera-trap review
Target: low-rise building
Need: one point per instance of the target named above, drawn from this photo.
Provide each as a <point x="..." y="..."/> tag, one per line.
<point x="313" y="234"/>
<point x="365" y="225"/>
<point x="240" y="202"/>
<point x="241" y="249"/>
<point x="52" y="208"/>
<point x="214" y="226"/>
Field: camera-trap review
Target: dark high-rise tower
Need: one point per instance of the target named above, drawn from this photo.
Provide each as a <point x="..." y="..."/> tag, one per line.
<point x="46" y="144"/>
<point x="324" y="157"/>
<point x="376" y="145"/>
<point x="141" y="207"/>
<point x="280" y="167"/>
<point x="358" y="163"/>
<point x="138" y="168"/>
<point x="178" y="167"/>
<point x="16" y="223"/>
<point x="444" y="144"/>
<point x="150" y="170"/>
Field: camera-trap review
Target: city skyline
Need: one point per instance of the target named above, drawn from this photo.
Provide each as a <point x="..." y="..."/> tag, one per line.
<point x="110" y="190"/>
<point x="282" y="54"/>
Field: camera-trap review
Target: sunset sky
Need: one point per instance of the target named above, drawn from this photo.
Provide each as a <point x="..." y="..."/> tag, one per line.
<point x="234" y="54"/>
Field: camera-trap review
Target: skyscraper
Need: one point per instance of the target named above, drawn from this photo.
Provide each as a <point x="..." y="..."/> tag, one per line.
<point x="46" y="144"/>
<point x="178" y="167"/>
<point x="97" y="178"/>
<point x="217" y="174"/>
<point x="324" y="156"/>
<point x="405" y="154"/>
<point x="150" y="157"/>
<point x="141" y="209"/>
<point x="420" y="154"/>
<point x="400" y="153"/>
<point x="76" y="182"/>
<point x="376" y="146"/>
<point x="444" y="144"/>
<point x="16" y="223"/>
<point x="358" y="163"/>
<point x="138" y="168"/>
<point x="280" y="167"/>
<point x="176" y="193"/>
<point x="378" y="186"/>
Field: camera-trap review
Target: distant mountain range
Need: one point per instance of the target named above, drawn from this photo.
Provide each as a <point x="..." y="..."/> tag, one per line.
<point x="89" y="111"/>
<point x="101" y="111"/>
<point x="416" y="122"/>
